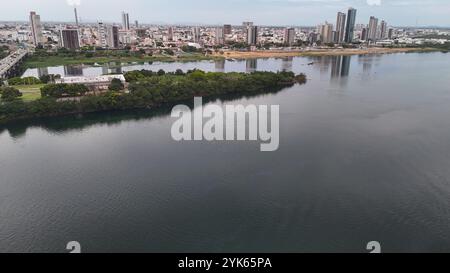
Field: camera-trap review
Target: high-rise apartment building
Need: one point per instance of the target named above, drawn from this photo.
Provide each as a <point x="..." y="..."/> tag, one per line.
<point x="289" y="36"/>
<point x="373" y="28"/>
<point x="326" y="33"/>
<point x="112" y="37"/>
<point x="125" y="21"/>
<point x="350" y="28"/>
<point x="390" y="33"/>
<point x="252" y="35"/>
<point x="170" y="34"/>
<point x="226" y="29"/>
<point x="101" y="33"/>
<point x="36" y="29"/>
<point x="364" y="34"/>
<point x="340" y="27"/>
<point x="220" y="36"/>
<point x="196" y="33"/>
<point x="383" y="30"/>
<point x="69" y="38"/>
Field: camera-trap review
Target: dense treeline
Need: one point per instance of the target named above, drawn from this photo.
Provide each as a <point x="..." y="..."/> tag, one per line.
<point x="64" y="90"/>
<point x="158" y="88"/>
<point x="86" y="52"/>
<point x="150" y="89"/>
<point x="9" y="93"/>
<point x="23" y="81"/>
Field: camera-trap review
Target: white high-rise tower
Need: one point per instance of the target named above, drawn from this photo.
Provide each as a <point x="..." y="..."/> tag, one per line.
<point x="36" y="28"/>
<point x="125" y="21"/>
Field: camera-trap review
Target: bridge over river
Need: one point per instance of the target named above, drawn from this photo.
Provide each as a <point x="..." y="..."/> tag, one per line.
<point x="9" y="65"/>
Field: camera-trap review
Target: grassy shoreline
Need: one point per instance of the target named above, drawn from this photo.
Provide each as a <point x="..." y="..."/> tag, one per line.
<point x="321" y="52"/>
<point x="48" y="61"/>
<point x="38" y="62"/>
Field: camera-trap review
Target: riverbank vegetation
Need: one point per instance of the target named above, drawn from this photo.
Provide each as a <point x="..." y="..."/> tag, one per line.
<point x="24" y="81"/>
<point x="89" y="56"/>
<point x="8" y="94"/>
<point x="93" y="56"/>
<point x="441" y="47"/>
<point x="147" y="89"/>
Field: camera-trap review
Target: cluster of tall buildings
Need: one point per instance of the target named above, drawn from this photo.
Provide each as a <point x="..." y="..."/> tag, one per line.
<point x="344" y="31"/>
<point x="112" y="35"/>
<point x="108" y="35"/>
<point x="69" y="35"/>
<point x="221" y="33"/>
<point x="376" y="31"/>
<point x="125" y="21"/>
<point x="251" y="33"/>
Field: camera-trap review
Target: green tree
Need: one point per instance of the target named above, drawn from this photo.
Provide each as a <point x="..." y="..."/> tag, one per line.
<point x="10" y="93"/>
<point x="45" y="78"/>
<point x="116" y="85"/>
<point x="179" y="72"/>
<point x="169" y="52"/>
<point x="64" y="90"/>
<point x="24" y="81"/>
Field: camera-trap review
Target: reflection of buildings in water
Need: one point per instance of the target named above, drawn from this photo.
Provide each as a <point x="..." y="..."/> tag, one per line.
<point x="105" y="70"/>
<point x="41" y="71"/>
<point x="368" y="62"/>
<point x="112" y="68"/>
<point x="116" y="70"/>
<point x="219" y="65"/>
<point x="73" y="70"/>
<point x="286" y="64"/>
<point x="345" y="71"/>
<point x="336" y="63"/>
<point x="324" y="62"/>
<point x="340" y="66"/>
<point x="251" y="65"/>
<point x="340" y="69"/>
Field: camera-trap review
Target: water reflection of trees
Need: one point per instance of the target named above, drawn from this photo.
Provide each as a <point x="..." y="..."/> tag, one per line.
<point x="287" y="64"/>
<point x="251" y="65"/>
<point x="219" y="65"/>
<point x="73" y="70"/>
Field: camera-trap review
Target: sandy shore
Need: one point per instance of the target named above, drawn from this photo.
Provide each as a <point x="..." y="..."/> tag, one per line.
<point x="317" y="52"/>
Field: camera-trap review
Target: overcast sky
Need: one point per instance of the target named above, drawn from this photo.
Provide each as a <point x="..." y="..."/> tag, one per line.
<point x="263" y="12"/>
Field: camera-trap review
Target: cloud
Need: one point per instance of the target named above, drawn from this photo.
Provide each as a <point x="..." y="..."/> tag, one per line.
<point x="374" y="2"/>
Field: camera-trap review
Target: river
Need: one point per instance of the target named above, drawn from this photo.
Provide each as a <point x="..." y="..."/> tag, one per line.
<point x="364" y="156"/>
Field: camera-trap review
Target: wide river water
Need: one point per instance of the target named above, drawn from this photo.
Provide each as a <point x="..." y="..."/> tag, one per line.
<point x="364" y="156"/>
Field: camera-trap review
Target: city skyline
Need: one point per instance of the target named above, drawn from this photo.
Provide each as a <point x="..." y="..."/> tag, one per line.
<point x="262" y="12"/>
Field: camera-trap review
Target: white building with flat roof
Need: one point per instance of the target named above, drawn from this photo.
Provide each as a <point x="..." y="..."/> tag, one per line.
<point x="93" y="82"/>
